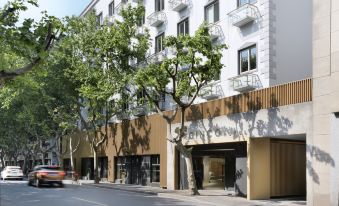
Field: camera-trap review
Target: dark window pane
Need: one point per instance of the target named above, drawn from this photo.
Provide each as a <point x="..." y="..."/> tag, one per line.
<point x="216" y="11"/>
<point x="159" y="43"/>
<point x="253" y="58"/>
<point x="111" y="9"/>
<point x="244" y="60"/>
<point x="159" y="5"/>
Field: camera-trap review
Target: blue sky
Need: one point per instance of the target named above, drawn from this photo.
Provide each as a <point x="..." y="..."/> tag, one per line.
<point x="58" y="8"/>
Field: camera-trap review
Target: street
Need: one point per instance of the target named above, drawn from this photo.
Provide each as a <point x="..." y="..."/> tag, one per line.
<point x="17" y="193"/>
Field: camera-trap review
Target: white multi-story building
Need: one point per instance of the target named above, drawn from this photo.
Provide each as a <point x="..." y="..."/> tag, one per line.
<point x="269" y="41"/>
<point x="256" y="144"/>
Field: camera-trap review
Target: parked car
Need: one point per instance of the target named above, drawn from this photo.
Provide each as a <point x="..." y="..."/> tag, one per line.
<point x="12" y="172"/>
<point x="46" y="175"/>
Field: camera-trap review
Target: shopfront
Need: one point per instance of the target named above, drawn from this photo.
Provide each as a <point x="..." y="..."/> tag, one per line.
<point x="138" y="169"/>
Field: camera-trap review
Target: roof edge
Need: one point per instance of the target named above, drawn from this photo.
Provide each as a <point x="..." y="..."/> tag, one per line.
<point x="88" y="7"/>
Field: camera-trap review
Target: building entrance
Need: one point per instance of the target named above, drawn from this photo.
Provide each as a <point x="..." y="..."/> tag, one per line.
<point x="217" y="167"/>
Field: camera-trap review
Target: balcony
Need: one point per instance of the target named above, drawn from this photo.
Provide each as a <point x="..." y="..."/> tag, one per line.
<point x="178" y="5"/>
<point x="141" y="31"/>
<point x="140" y="110"/>
<point x="244" y="15"/>
<point x="215" y="31"/>
<point x="122" y="115"/>
<point x="211" y="91"/>
<point x="157" y="58"/>
<point x="156" y="18"/>
<point x="245" y="82"/>
<point x="124" y="4"/>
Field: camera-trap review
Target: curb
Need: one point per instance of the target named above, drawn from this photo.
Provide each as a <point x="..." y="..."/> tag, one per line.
<point x="120" y="188"/>
<point x="187" y="198"/>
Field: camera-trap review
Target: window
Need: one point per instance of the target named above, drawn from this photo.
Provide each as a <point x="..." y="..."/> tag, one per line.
<point x="99" y="19"/>
<point x="242" y="2"/>
<point x="159" y="42"/>
<point x="155" y="168"/>
<point x="141" y="21"/>
<point x="212" y="12"/>
<point x="111" y="9"/>
<point x="183" y="27"/>
<point x="248" y="59"/>
<point x="141" y="97"/>
<point x="121" y="168"/>
<point x="159" y="5"/>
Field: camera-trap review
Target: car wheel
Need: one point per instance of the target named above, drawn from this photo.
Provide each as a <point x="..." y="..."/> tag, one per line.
<point x="61" y="184"/>
<point x="29" y="183"/>
<point x="37" y="183"/>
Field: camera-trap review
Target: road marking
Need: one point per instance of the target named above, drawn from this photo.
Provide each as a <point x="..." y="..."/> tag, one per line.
<point x="97" y="203"/>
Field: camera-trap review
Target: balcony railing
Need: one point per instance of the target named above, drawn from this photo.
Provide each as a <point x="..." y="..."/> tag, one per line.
<point x="244" y="15"/>
<point x="246" y="82"/>
<point x="123" y="115"/>
<point x="141" y="30"/>
<point x="215" y="31"/>
<point x="178" y="5"/>
<point x="156" y="18"/>
<point x="123" y="5"/>
<point x="140" y="110"/>
<point x="157" y="58"/>
<point x="211" y="91"/>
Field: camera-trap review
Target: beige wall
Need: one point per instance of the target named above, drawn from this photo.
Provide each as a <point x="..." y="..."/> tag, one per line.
<point x="323" y="157"/>
<point x="275" y="168"/>
<point x="258" y="157"/>
<point x="142" y="136"/>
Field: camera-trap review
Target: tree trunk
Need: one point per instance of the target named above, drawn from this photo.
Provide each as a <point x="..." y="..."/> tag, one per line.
<point x="96" y="169"/>
<point x="2" y="161"/>
<point x="71" y="156"/>
<point x="192" y="185"/>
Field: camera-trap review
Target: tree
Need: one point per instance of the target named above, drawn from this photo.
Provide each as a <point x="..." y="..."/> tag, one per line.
<point x="195" y="61"/>
<point x="25" y="46"/>
<point x="100" y="64"/>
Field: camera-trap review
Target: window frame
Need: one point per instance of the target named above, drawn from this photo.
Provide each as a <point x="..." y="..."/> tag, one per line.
<point x="159" y="5"/>
<point x="216" y="18"/>
<point x="247" y="2"/>
<point x="162" y="35"/>
<point x="183" y="21"/>
<point x="248" y="59"/>
<point x="111" y="8"/>
<point x="100" y="19"/>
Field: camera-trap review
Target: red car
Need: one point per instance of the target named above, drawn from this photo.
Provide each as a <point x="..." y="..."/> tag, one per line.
<point x="46" y="175"/>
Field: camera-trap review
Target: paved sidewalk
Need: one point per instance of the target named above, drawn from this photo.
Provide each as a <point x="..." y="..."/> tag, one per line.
<point x="209" y="197"/>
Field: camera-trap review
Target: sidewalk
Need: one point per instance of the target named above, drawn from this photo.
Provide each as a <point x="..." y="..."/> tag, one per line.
<point x="208" y="197"/>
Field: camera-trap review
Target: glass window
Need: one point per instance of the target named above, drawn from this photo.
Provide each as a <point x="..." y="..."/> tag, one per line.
<point x="242" y="2"/>
<point x="212" y="12"/>
<point x="111" y="9"/>
<point x="159" y="5"/>
<point x="155" y="162"/>
<point x="121" y="168"/>
<point x="99" y="19"/>
<point x="248" y="59"/>
<point x="183" y="27"/>
<point x="159" y="43"/>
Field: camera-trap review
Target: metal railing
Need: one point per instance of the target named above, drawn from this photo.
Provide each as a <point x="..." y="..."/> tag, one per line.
<point x="244" y="14"/>
<point x="156" y="18"/>
<point x="157" y="58"/>
<point x="211" y="91"/>
<point x="123" y="5"/>
<point x="215" y="31"/>
<point x="246" y="82"/>
<point x="178" y="5"/>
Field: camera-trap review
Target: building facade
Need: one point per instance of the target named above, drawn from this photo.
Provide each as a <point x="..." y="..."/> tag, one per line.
<point x="250" y="131"/>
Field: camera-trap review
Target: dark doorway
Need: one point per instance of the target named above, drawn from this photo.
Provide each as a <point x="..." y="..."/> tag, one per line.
<point x="229" y="172"/>
<point x="87" y="168"/>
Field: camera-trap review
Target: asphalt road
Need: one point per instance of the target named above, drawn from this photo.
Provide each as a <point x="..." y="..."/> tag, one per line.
<point x="18" y="193"/>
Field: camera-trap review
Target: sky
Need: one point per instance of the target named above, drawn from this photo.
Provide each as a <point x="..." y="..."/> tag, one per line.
<point x="58" y="8"/>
